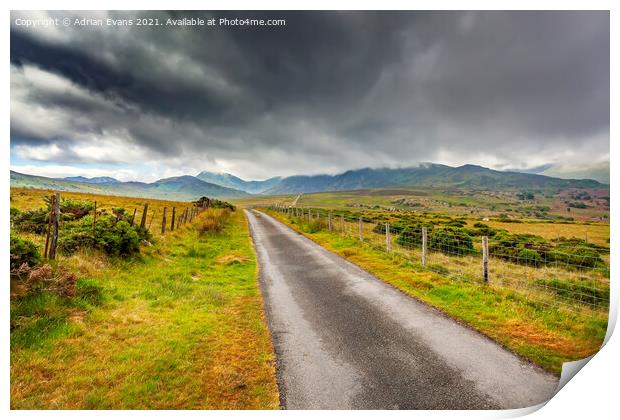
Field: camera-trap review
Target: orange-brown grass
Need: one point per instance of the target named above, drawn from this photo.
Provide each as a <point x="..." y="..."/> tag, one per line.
<point x="597" y="233"/>
<point x="214" y="220"/>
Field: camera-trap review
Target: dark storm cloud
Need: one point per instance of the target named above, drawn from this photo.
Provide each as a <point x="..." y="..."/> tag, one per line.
<point x="329" y="91"/>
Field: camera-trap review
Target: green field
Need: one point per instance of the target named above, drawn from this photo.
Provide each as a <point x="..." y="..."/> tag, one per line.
<point x="546" y="205"/>
<point x="179" y="326"/>
<point x="536" y="311"/>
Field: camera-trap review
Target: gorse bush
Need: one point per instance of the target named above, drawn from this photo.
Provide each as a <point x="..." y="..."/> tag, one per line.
<point x="36" y="221"/>
<point x="529" y="257"/>
<point x="453" y="241"/>
<point x="23" y="252"/>
<point x="30" y="221"/>
<point x="449" y="240"/>
<point x="74" y="209"/>
<point x="115" y="238"/>
<point x="212" y="203"/>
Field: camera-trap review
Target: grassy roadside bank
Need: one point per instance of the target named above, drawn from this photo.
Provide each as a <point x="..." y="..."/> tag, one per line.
<point x="181" y="327"/>
<point x="548" y="336"/>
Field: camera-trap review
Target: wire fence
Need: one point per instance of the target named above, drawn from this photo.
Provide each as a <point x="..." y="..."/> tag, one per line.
<point x="151" y="217"/>
<point x="572" y="274"/>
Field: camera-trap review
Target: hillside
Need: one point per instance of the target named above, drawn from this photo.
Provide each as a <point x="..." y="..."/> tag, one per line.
<point x="427" y="175"/>
<point x="231" y="181"/>
<point x="94" y="180"/>
<point x="229" y="186"/>
<point x="177" y="188"/>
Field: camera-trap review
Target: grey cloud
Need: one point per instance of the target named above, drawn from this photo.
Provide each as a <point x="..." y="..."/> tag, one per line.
<point x="334" y="90"/>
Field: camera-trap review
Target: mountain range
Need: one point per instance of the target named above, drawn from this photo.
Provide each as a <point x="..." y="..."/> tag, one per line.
<point x="231" y="181"/>
<point x="426" y="175"/>
<point x="221" y="185"/>
<point x="176" y="188"/>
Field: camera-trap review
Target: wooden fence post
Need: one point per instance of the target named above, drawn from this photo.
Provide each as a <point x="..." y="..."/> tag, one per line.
<point x="388" y="241"/>
<point x="174" y="212"/>
<point x="485" y="259"/>
<point x="329" y="221"/>
<point x="424" y="239"/>
<point x="144" y="212"/>
<point x="134" y="216"/>
<point x="55" y="227"/>
<point x="49" y="226"/>
<point x="342" y="224"/>
<point x="163" y="222"/>
<point x="151" y="221"/>
<point x="361" y="231"/>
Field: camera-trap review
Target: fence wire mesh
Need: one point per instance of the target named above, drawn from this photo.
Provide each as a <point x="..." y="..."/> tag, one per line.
<point x="570" y="274"/>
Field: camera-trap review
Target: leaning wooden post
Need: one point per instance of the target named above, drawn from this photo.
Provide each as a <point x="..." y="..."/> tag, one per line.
<point x="388" y="242"/>
<point x="174" y="211"/>
<point x="361" y="230"/>
<point x="151" y="221"/>
<point x="49" y="226"/>
<point x="95" y="222"/>
<point x="424" y="238"/>
<point x="55" y="226"/>
<point x="485" y="259"/>
<point x="144" y="212"/>
<point x="163" y="222"/>
<point x="134" y="216"/>
<point x="329" y="221"/>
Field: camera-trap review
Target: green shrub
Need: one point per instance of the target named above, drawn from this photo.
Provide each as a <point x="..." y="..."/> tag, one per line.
<point x="576" y="256"/>
<point x="410" y="236"/>
<point x="480" y="229"/>
<point x="395" y="227"/>
<point x="23" y="252"/>
<point x="529" y="257"/>
<point x="213" y="203"/>
<point x="115" y="238"/>
<point x="579" y="291"/>
<point x="36" y="221"/>
<point x="451" y="241"/>
<point x="31" y="221"/>
<point x="74" y="209"/>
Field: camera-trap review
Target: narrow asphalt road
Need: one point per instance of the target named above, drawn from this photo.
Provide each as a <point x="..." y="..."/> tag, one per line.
<point x="346" y="340"/>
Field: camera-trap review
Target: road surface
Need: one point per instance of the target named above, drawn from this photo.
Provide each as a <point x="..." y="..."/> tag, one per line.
<point x="346" y="340"/>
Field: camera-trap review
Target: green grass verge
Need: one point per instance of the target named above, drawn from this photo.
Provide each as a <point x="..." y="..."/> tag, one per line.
<point x="180" y="327"/>
<point x="548" y="336"/>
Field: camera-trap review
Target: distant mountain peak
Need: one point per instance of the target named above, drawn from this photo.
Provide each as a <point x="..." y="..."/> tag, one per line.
<point x="231" y="181"/>
<point x="93" y="180"/>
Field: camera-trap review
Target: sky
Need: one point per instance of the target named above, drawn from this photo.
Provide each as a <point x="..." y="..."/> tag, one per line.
<point x="324" y="93"/>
